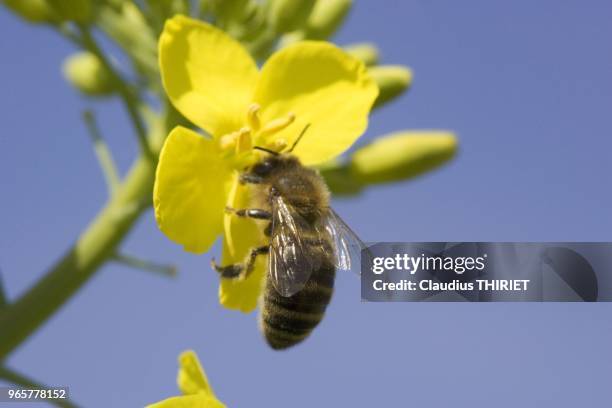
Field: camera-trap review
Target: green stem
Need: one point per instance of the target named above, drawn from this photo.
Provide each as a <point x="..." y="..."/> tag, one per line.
<point x="91" y="250"/>
<point x="66" y="31"/>
<point x="21" y="380"/>
<point x="97" y="244"/>
<point x="129" y="99"/>
<point x="105" y="158"/>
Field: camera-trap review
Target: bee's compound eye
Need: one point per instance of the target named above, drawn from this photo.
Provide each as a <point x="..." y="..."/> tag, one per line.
<point x="263" y="168"/>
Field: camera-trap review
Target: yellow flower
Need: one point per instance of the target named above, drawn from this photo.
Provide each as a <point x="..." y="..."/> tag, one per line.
<point x="213" y="81"/>
<point x="193" y="383"/>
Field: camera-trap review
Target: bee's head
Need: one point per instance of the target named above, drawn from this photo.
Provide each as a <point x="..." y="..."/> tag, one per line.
<point x="266" y="166"/>
<point x="273" y="163"/>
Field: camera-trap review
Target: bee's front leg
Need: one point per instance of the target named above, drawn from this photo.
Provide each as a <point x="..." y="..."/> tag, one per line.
<point x="256" y="213"/>
<point x="250" y="178"/>
<point x="240" y="270"/>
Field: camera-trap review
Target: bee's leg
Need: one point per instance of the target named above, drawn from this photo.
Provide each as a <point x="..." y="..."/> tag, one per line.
<point x="240" y="270"/>
<point x="228" y="271"/>
<point x="250" y="265"/>
<point x="249" y="178"/>
<point x="256" y="213"/>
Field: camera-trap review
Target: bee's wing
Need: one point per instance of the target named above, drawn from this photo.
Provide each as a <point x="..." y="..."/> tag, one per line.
<point x="290" y="264"/>
<point x="347" y="245"/>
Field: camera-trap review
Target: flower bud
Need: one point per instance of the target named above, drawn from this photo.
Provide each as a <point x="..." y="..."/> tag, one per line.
<point x="86" y="73"/>
<point x="34" y="11"/>
<point x="326" y="18"/>
<point x="164" y="9"/>
<point x="402" y="155"/>
<point x="392" y="81"/>
<point x="79" y="11"/>
<point x="116" y="4"/>
<point x="364" y="52"/>
<point x="289" y="15"/>
<point x="228" y="10"/>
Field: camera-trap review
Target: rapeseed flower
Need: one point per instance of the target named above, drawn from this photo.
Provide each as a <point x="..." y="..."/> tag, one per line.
<point x="193" y="383"/>
<point x="213" y="81"/>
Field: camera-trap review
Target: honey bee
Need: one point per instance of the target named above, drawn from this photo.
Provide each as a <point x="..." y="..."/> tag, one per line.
<point x="308" y="242"/>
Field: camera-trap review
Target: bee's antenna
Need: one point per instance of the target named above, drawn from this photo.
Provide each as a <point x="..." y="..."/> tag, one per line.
<point x="299" y="138"/>
<point x="263" y="149"/>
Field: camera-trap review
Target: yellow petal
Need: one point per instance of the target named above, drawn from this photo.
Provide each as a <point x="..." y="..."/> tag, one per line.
<point x="191" y="376"/>
<point x="208" y="76"/>
<point x="245" y="234"/>
<point x="193" y="383"/>
<point x="324" y="87"/>
<point x="189" y="401"/>
<point x="190" y="188"/>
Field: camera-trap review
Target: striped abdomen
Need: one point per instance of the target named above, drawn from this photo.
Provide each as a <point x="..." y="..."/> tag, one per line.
<point x="286" y="321"/>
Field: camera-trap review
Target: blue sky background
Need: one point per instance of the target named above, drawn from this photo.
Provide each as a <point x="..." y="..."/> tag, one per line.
<point x="527" y="87"/>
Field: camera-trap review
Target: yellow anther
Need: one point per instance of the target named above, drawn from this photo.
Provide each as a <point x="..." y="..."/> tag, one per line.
<point x="253" y="117"/>
<point x="279" y="145"/>
<point x="228" y="141"/>
<point x="277" y="125"/>
<point x="244" y="141"/>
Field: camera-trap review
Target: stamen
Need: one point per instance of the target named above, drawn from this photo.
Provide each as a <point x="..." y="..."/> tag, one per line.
<point x="244" y="141"/>
<point x="277" y="125"/>
<point x="253" y="117"/>
<point x="228" y="141"/>
<point x="279" y="145"/>
<point x="237" y="144"/>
